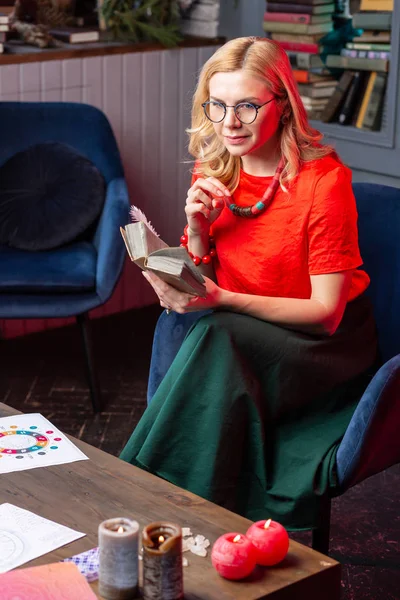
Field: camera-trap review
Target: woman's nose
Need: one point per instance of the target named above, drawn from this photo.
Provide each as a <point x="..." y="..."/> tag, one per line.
<point x="231" y="119"/>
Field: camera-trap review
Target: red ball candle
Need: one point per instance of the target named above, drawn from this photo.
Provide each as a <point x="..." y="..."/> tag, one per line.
<point x="270" y="540"/>
<point x="233" y="556"/>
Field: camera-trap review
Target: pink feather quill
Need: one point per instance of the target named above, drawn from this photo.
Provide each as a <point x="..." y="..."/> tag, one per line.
<point x="137" y="215"/>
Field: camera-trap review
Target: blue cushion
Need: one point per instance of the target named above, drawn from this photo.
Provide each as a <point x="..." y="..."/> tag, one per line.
<point x="379" y="226"/>
<point x="49" y="195"/>
<point x="68" y="269"/>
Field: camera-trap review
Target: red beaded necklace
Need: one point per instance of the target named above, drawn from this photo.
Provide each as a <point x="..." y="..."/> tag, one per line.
<point x="261" y="205"/>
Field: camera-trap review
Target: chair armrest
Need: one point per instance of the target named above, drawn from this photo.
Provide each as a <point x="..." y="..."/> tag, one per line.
<point x="371" y="442"/>
<point x="107" y="240"/>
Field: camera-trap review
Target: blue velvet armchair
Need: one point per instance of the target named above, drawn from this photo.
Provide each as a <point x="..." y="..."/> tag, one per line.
<point x="72" y="279"/>
<point x="371" y="441"/>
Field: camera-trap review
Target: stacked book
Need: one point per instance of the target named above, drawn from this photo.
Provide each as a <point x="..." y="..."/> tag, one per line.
<point x="6" y="32"/>
<point x="202" y="19"/>
<point x="299" y="26"/>
<point x="359" y="98"/>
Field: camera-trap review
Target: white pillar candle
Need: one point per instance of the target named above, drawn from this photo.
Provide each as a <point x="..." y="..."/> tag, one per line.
<point x="118" y="559"/>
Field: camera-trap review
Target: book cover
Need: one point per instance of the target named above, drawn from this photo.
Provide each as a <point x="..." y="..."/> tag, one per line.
<point x="310" y="9"/>
<point x="301" y="28"/>
<point x="56" y="581"/>
<point x="75" y="35"/>
<point x="172" y="264"/>
<point x="358" y="64"/>
<point x="337" y="97"/>
<point x="272" y="17"/>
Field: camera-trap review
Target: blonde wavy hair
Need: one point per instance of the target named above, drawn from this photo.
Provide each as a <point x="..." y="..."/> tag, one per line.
<point x="266" y="60"/>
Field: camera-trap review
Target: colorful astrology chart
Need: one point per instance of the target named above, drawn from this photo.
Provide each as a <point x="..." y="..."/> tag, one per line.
<point x="30" y="441"/>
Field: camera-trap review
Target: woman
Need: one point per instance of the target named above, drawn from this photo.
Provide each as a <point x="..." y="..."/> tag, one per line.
<point x="253" y="407"/>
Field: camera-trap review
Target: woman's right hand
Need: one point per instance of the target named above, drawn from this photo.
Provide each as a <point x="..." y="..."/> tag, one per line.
<point x="204" y="204"/>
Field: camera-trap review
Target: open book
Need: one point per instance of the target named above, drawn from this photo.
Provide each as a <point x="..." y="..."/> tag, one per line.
<point x="172" y="265"/>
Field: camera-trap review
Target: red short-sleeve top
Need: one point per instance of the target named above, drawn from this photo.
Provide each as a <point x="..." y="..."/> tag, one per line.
<point x="309" y="230"/>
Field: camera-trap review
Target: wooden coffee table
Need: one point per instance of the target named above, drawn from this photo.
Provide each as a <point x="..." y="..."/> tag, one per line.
<point x="82" y="494"/>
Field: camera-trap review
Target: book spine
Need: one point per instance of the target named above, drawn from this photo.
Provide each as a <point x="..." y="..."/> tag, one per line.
<point x="308" y="90"/>
<point x="350" y="100"/>
<point x="371" y="119"/>
<point x="301" y="75"/>
<point x="377" y="21"/>
<point x="287" y="17"/>
<point x="274" y="7"/>
<point x="365" y="54"/>
<point x="363" y="64"/>
<point x="377" y="5"/>
<point x="300" y="47"/>
<point x="366" y="99"/>
<point x="307" y="2"/>
<point x="291" y="37"/>
<point x="304" y="60"/>
<point x="375" y="47"/>
<point x="337" y="97"/>
<point x="278" y="27"/>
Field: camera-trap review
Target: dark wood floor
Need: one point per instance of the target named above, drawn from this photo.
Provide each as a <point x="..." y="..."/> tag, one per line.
<point x="44" y="373"/>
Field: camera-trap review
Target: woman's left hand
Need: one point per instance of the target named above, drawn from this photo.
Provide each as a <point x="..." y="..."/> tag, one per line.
<point x="181" y="302"/>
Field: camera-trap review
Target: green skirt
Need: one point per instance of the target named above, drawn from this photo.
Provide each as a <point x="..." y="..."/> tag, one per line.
<point x="250" y="415"/>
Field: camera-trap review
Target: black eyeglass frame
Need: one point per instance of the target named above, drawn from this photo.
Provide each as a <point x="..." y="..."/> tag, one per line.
<point x="235" y="106"/>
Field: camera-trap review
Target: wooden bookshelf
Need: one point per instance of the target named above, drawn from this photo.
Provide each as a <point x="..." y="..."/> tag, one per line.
<point x="385" y="138"/>
<point x="22" y="53"/>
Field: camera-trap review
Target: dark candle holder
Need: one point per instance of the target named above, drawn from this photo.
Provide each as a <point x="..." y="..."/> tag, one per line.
<point x="162" y="562"/>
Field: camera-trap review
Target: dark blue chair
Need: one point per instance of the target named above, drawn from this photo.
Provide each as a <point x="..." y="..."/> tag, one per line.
<point x="86" y="269"/>
<point x="371" y="441"/>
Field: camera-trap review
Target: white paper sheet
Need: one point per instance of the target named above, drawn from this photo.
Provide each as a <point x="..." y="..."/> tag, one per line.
<point x="30" y="441"/>
<point x="25" y="536"/>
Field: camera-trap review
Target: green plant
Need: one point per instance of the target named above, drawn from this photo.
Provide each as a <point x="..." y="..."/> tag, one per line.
<point x="143" y="20"/>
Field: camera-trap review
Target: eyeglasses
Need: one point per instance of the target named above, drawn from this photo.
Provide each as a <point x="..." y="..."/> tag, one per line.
<point x="246" y="112"/>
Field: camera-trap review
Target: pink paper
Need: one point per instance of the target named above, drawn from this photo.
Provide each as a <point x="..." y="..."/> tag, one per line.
<point x="58" y="581"/>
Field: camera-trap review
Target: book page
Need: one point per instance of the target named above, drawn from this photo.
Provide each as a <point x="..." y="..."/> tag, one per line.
<point x="141" y="240"/>
<point x="161" y="257"/>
